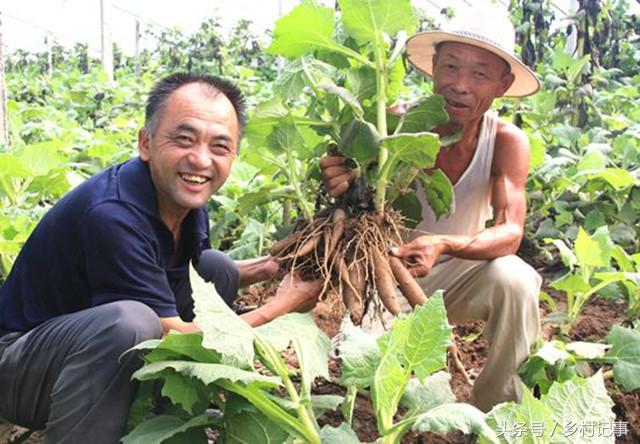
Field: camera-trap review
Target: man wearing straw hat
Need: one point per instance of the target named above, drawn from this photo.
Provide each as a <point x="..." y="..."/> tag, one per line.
<point x="474" y="261"/>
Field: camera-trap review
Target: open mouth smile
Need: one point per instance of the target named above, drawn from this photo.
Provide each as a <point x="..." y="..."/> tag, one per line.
<point x="194" y="179"/>
<point x="455" y="104"/>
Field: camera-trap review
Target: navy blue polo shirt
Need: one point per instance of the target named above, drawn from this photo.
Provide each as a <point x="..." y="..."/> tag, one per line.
<point x="103" y="242"/>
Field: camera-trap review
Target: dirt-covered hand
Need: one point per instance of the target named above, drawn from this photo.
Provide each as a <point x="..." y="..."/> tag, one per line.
<point x="294" y="294"/>
<point x="335" y="174"/>
<point x="420" y="254"/>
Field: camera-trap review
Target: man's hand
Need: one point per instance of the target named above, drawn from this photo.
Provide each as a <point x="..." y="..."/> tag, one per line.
<point x="421" y="253"/>
<point x="293" y="294"/>
<point x="335" y="175"/>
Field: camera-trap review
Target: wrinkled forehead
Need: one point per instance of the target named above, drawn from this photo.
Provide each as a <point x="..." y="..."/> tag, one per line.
<point x="466" y="51"/>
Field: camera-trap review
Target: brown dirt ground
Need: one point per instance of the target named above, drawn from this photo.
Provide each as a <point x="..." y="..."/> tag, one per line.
<point x="593" y="325"/>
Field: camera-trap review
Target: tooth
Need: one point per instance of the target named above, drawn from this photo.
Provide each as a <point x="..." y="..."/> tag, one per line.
<point x="192" y="178"/>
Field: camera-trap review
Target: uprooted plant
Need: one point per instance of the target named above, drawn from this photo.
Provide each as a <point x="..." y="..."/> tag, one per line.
<point x="350" y="71"/>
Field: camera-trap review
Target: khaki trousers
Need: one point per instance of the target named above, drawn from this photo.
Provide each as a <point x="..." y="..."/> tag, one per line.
<point x="503" y="292"/>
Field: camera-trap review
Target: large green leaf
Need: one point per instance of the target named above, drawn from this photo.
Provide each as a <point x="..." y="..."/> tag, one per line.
<point x="571" y="284"/>
<point x="322" y="403"/>
<point x="251" y="241"/>
<point x="190" y="393"/>
<point x="343" y="434"/>
<point x="537" y="151"/>
<point x="286" y="137"/>
<point x="425" y="116"/>
<point x="549" y="364"/>
<point x="161" y="429"/>
<point x="587" y="350"/>
<point x="361" y="81"/>
<point x="529" y="422"/>
<point x="552" y="351"/>
<point x="568" y="257"/>
<point x="264" y="118"/>
<point x="419" y="149"/>
<point x="421" y="397"/>
<point x="594" y="160"/>
<point x="364" y="20"/>
<point x="41" y="158"/>
<point x="390" y="380"/>
<point x="180" y="345"/>
<point x="310" y="343"/>
<point x="616" y="177"/>
<point x="429" y="338"/>
<point x="359" y="355"/>
<point x="307" y="28"/>
<point x="456" y="416"/>
<point x="270" y="192"/>
<point x="579" y="402"/>
<point x="625" y="356"/>
<point x="206" y="373"/>
<point x="345" y="95"/>
<point x="360" y="140"/>
<point x="299" y="73"/>
<point x="410" y="207"/>
<point x="595" y="250"/>
<point x="416" y="344"/>
<point x="13" y="166"/>
<point x="223" y="330"/>
<point x="252" y="426"/>
<point x="439" y="192"/>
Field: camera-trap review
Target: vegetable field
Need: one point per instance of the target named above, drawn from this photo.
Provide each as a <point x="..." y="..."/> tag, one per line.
<point x="323" y="83"/>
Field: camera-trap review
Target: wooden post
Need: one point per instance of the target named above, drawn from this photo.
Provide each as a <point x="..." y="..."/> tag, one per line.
<point x="137" y="47"/>
<point x="4" y="122"/>
<point x="105" y="37"/>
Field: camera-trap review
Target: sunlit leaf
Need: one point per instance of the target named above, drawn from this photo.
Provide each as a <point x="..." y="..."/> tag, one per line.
<point x="308" y="27"/>
<point x="425" y="116"/>
<point x="364" y="19"/>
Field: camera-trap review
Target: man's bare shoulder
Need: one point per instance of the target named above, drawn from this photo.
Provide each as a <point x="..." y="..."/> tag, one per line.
<point x="511" y="151"/>
<point x="508" y="134"/>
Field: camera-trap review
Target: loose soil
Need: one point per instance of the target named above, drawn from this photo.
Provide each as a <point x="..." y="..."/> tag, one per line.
<point x="593" y="325"/>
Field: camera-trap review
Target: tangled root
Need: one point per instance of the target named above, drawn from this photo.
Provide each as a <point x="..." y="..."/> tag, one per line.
<point x="350" y="255"/>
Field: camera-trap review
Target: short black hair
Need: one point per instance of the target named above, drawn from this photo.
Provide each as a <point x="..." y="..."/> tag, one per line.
<point x="165" y="87"/>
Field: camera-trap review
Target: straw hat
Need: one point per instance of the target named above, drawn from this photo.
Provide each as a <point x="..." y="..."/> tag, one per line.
<point x="487" y="28"/>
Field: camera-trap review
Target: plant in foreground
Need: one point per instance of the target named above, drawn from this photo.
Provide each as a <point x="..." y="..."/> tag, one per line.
<point x="233" y="378"/>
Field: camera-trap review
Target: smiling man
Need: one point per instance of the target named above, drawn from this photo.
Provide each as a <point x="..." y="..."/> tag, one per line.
<point x="108" y="267"/>
<point x="471" y="253"/>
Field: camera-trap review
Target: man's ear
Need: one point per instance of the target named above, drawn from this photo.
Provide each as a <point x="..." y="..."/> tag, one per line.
<point x="507" y="81"/>
<point x="143" y="144"/>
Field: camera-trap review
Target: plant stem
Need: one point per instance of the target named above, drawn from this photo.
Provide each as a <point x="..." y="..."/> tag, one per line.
<point x="349" y="403"/>
<point x="381" y="108"/>
<point x="311" y="429"/>
<point x="351" y="53"/>
<point x="293" y="177"/>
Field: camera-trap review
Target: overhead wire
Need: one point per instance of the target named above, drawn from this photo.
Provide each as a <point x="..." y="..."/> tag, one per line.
<point x="47" y="30"/>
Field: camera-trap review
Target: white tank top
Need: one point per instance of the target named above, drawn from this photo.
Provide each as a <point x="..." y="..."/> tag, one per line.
<point x="472" y="205"/>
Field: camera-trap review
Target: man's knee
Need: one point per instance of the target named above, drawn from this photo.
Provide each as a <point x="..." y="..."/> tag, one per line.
<point x="129" y="323"/>
<point x="217" y="267"/>
<point x="516" y="279"/>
